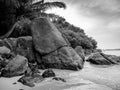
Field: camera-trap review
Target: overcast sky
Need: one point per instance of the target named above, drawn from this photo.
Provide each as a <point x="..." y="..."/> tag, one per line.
<point x="99" y="18"/>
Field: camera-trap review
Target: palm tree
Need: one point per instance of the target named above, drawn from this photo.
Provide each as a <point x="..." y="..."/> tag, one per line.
<point x="16" y="11"/>
<point x="30" y="7"/>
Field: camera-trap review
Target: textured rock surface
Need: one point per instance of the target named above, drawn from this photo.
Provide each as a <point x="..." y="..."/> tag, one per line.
<point x="31" y="80"/>
<point x="22" y="46"/>
<point x="52" y="49"/>
<point x="4" y="50"/>
<point x="63" y="58"/>
<point x="112" y="58"/>
<point x="46" y="37"/>
<point x="5" y="59"/>
<point x="59" y="79"/>
<point x="17" y="66"/>
<point x="48" y="73"/>
<point x="80" y="52"/>
<point x="103" y="59"/>
<point x="5" y="56"/>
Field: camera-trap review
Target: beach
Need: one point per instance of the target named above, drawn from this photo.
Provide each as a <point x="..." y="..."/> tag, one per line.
<point x="75" y="42"/>
<point x="91" y="77"/>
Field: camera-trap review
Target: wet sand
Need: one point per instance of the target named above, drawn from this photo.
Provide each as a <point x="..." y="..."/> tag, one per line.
<point x="91" y="77"/>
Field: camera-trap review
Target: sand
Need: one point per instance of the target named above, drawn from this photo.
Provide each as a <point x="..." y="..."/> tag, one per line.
<point x="91" y="77"/>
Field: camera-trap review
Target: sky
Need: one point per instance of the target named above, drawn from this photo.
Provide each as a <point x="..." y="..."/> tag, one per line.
<point x="99" y="18"/>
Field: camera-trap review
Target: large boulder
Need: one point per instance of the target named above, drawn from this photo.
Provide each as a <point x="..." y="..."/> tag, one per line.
<point x="52" y="50"/>
<point x="17" y="66"/>
<point x="22" y="46"/>
<point x="63" y="58"/>
<point x="46" y="36"/>
<point x="112" y="58"/>
<point x="103" y="59"/>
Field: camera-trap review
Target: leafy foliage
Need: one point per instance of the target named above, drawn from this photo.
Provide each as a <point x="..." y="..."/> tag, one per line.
<point x="15" y="10"/>
<point x="75" y="35"/>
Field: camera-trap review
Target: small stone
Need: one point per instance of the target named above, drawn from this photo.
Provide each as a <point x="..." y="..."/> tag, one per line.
<point x="59" y="79"/>
<point x="48" y="73"/>
<point x="14" y="83"/>
<point x="31" y="80"/>
<point x="21" y="89"/>
<point x="25" y="80"/>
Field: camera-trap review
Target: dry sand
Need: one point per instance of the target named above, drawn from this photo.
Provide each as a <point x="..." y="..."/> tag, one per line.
<point x="91" y="77"/>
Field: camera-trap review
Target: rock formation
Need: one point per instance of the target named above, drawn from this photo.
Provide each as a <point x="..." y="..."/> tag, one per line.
<point x="52" y="49"/>
<point x="15" y="67"/>
<point x="20" y="46"/>
<point x="103" y="59"/>
<point x="47" y="48"/>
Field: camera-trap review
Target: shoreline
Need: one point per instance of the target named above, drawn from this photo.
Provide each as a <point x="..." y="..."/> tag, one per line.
<point x="89" y="77"/>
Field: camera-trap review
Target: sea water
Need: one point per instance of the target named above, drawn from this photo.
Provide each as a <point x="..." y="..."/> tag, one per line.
<point x="117" y="52"/>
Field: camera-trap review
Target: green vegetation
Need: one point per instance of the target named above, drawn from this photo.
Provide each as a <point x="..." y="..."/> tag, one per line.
<point x="19" y="12"/>
<point x="75" y="35"/>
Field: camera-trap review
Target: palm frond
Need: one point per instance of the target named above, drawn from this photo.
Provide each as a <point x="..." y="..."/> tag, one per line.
<point x="44" y="6"/>
<point x="38" y="3"/>
<point x="55" y="4"/>
<point x="29" y="3"/>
